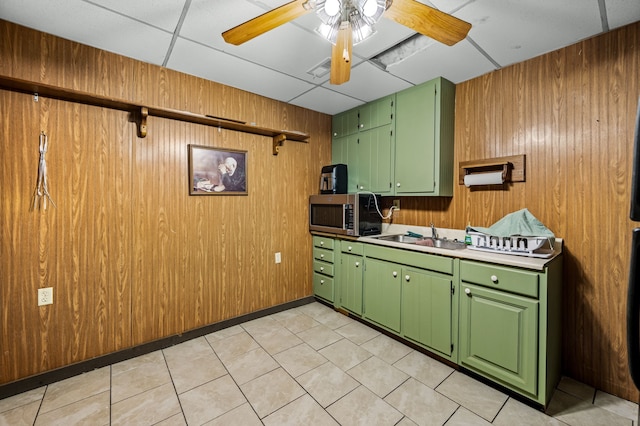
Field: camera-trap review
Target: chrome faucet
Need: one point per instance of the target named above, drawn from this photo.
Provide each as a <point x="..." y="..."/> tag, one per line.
<point x="434" y="232"/>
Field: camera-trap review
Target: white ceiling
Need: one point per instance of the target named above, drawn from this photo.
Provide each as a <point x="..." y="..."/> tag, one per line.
<point x="184" y="35"/>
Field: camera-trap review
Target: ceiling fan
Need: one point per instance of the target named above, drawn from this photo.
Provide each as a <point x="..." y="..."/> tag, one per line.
<point x="347" y="22"/>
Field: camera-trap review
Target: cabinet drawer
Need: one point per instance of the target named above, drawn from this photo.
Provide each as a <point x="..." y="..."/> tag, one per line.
<point x="323" y="242"/>
<point x="323" y="267"/>
<point x="323" y="286"/>
<point x="323" y="254"/>
<point x="411" y="258"/>
<point x="352" y="247"/>
<point x="500" y="278"/>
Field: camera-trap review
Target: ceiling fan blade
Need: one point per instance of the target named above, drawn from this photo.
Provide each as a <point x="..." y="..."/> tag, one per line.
<point x="266" y="22"/>
<point x="428" y="21"/>
<point x="341" y="55"/>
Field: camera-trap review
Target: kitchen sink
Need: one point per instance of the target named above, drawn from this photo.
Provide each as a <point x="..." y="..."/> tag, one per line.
<point x="424" y="241"/>
<point x="399" y="238"/>
<point x="448" y="244"/>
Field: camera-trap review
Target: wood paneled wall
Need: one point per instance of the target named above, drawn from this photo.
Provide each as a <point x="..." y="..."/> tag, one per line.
<point x="131" y="256"/>
<point x="572" y="113"/>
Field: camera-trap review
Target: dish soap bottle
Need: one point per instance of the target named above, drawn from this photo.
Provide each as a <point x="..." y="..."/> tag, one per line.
<point x="467" y="237"/>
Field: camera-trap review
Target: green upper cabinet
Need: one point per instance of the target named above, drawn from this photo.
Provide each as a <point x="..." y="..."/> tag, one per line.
<point x="410" y="149"/>
<point x="377" y="113"/>
<point x="345" y="123"/>
<point x="370" y="169"/>
<point x="367" y="151"/>
<point x="424" y="139"/>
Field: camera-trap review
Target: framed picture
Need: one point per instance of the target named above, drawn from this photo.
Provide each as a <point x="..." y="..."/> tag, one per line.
<point x="214" y="171"/>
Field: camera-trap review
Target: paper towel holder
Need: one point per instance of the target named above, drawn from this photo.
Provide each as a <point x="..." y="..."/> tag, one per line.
<point x="512" y="168"/>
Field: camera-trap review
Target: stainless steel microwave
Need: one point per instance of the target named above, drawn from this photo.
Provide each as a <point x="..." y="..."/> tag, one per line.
<point x="346" y="214"/>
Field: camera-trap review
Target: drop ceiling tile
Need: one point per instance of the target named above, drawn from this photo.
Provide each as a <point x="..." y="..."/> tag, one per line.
<point x="622" y="12"/>
<point x="442" y="60"/>
<point x="91" y="25"/>
<point x="163" y="14"/>
<point x="196" y="59"/>
<point x="511" y="31"/>
<point x="388" y="33"/>
<point x="369" y="83"/>
<point x="326" y="101"/>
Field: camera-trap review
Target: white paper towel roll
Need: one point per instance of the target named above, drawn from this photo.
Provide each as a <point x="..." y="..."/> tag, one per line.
<point x="493" y="178"/>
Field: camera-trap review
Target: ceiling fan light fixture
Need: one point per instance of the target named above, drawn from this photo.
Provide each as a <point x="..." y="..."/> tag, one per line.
<point x="329" y="31"/>
<point x="360" y="27"/>
<point x="372" y="10"/>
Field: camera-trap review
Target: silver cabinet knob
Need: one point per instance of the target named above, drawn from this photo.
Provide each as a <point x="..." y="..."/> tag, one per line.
<point x="467" y="291"/>
<point x="494" y="278"/>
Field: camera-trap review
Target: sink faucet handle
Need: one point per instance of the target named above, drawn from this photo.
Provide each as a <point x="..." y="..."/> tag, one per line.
<point x="434" y="232"/>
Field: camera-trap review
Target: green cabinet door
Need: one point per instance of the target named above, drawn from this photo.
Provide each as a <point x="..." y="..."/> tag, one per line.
<point x="424" y="139"/>
<point x="374" y="160"/>
<point x="382" y="290"/>
<point x="416" y="139"/>
<point x="376" y="113"/>
<point x="427" y="303"/>
<point x="345" y="123"/>
<point x="351" y="272"/>
<point x="499" y="335"/>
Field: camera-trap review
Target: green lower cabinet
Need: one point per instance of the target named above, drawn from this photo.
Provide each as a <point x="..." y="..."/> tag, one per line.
<point x="351" y="272"/>
<point x="382" y="290"/>
<point x="323" y="286"/>
<point x="499" y="335"/>
<point x="427" y="303"/>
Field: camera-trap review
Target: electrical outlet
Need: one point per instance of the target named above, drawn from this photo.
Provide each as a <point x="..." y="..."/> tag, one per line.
<point x="278" y="257"/>
<point x="396" y="205"/>
<point x="45" y="296"/>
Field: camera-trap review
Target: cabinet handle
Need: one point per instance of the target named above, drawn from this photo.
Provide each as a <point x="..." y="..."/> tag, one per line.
<point x="322" y="256"/>
<point x="321" y="268"/>
<point x="361" y="126"/>
<point x="407" y="277"/>
<point x="349" y="248"/>
<point x="395" y="274"/>
<point x="321" y="282"/>
<point x="398" y="184"/>
<point x="361" y="187"/>
<point x="494" y="278"/>
<point x="321" y="243"/>
<point x="357" y="264"/>
<point x="467" y="291"/>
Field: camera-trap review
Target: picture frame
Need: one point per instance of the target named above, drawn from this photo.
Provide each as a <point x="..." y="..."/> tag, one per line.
<point x="217" y="171"/>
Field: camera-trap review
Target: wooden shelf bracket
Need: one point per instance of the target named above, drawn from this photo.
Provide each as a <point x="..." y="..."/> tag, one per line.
<point x="277" y="143"/>
<point x="142" y="122"/>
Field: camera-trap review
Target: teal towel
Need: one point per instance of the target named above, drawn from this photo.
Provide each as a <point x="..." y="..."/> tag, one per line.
<point x="518" y="224"/>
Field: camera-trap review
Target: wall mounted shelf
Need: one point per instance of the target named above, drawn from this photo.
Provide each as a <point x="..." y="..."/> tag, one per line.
<point x="141" y="112"/>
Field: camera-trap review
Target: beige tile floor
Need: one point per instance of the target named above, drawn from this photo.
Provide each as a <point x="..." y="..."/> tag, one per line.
<point x="305" y="366"/>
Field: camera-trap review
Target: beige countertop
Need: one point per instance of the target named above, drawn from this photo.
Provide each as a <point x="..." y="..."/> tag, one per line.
<point x="496" y="257"/>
